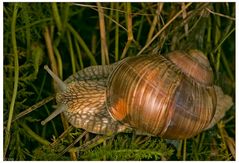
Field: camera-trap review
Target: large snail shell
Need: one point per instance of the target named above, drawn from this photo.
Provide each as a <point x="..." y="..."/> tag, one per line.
<point x="153" y="95"/>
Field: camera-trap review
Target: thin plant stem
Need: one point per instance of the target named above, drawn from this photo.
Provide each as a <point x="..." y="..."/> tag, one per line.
<point x="201" y="140"/>
<point x="65" y="15"/>
<point x="154" y="23"/>
<point x="34" y="107"/>
<point x="82" y="43"/>
<point x="219" y="14"/>
<point x="94" y="42"/>
<point x="184" y="14"/>
<point x="179" y="149"/>
<point x="71" y="51"/>
<point x="195" y="148"/>
<point x="73" y="143"/>
<point x="79" y="54"/>
<point x="56" y="16"/>
<point x="140" y="28"/>
<point x="164" y="27"/>
<point x="231" y="145"/>
<point x="222" y="54"/>
<point x="32" y="24"/>
<point x="50" y="50"/>
<point x="104" y="48"/>
<point x="59" y="61"/>
<point x="217" y="38"/>
<point x="129" y="29"/>
<point x="226" y="64"/>
<point x="221" y="126"/>
<point x="220" y="44"/>
<point x="63" y="135"/>
<point x="16" y="79"/>
<point x="117" y="33"/>
<point x="184" y="149"/>
<point x="106" y="16"/>
<point x="93" y="142"/>
<point x="111" y="15"/>
<point x="34" y="135"/>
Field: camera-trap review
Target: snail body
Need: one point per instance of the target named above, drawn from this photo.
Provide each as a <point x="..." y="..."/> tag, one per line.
<point x="171" y="97"/>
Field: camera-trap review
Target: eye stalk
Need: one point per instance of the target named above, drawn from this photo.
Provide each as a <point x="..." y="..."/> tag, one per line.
<point x="59" y="82"/>
<point x="60" y="107"/>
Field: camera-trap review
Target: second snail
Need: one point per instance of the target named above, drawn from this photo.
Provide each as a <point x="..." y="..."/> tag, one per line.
<point x="172" y="96"/>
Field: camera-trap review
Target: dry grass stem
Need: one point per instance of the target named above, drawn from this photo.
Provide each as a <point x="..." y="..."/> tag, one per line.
<point x="129" y="29"/>
<point x="104" y="48"/>
<point x="164" y="27"/>
<point x="184" y="14"/>
<point x="155" y="21"/>
<point x="219" y="14"/>
<point x="50" y="52"/>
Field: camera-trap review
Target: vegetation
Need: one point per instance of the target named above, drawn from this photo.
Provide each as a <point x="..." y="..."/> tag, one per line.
<point x="71" y="36"/>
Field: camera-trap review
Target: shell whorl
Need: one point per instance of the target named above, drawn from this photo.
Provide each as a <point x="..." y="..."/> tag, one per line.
<point x="194" y="64"/>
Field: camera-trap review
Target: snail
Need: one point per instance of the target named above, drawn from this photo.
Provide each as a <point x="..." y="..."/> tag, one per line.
<point x="170" y="96"/>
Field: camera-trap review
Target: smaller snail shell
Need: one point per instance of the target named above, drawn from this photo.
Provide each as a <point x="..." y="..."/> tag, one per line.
<point x="194" y="64"/>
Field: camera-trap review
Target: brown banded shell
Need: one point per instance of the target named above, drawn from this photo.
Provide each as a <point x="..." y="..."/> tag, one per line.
<point x="152" y="95"/>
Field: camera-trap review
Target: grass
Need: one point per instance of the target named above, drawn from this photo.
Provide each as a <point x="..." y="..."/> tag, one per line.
<point x="71" y="36"/>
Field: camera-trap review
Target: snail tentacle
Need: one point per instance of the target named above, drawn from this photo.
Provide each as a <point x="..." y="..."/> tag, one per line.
<point x="60" y="108"/>
<point x="59" y="82"/>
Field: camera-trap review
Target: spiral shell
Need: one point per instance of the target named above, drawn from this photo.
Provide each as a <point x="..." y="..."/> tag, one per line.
<point x="153" y="95"/>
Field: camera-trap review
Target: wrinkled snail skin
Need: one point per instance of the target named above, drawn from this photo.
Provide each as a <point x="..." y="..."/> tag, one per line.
<point x="83" y="102"/>
<point x="152" y="94"/>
